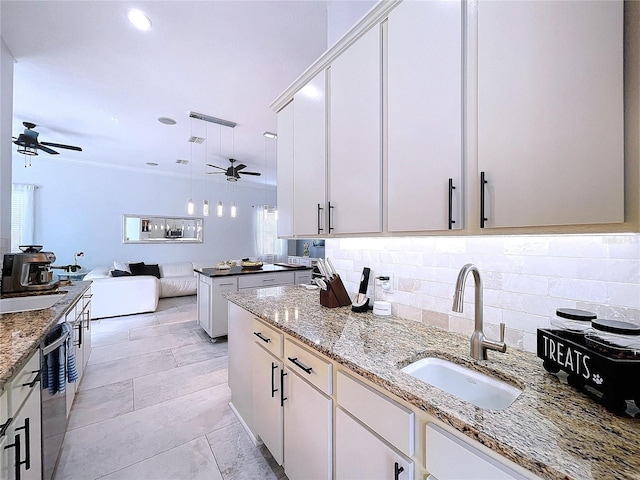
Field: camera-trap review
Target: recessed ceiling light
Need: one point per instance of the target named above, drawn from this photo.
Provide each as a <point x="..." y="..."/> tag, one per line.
<point x="270" y="135"/>
<point x="139" y="19"/>
<point x="167" y="120"/>
<point x="152" y="164"/>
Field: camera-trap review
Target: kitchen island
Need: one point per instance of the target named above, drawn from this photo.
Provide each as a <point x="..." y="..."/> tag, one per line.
<point x="551" y="430"/>
<point x="214" y="282"/>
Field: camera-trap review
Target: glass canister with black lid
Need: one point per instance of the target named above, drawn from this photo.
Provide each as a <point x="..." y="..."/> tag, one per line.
<point x="615" y="337"/>
<point x="573" y="320"/>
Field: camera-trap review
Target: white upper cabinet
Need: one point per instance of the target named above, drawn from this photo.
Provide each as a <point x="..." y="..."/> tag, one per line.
<point x="424" y="116"/>
<point x="284" y="194"/>
<point x="355" y="159"/>
<point x="550" y="112"/>
<point x="310" y="154"/>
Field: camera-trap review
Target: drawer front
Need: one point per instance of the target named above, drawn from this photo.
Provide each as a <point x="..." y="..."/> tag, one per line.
<point x="303" y="277"/>
<point x="268" y="337"/>
<point x="259" y="280"/>
<point x="21" y="383"/>
<point x="392" y="421"/>
<point x="310" y="366"/>
<point x="451" y="457"/>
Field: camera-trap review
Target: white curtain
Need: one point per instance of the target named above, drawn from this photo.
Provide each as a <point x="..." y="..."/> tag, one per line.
<point x="269" y="247"/>
<point x="23" y="210"/>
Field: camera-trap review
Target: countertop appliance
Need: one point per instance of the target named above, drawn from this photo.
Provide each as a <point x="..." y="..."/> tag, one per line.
<point x="28" y="271"/>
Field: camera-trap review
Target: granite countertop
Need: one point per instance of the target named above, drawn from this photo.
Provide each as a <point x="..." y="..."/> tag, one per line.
<point x="267" y="268"/>
<point x="22" y="332"/>
<point x="551" y="429"/>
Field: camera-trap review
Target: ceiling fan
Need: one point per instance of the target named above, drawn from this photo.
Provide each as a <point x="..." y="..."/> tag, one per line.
<point x="28" y="143"/>
<point x="233" y="172"/>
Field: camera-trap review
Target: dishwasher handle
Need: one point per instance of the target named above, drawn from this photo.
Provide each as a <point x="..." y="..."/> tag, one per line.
<point x="50" y="348"/>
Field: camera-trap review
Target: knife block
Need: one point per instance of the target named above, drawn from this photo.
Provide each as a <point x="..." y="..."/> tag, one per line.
<point x="335" y="295"/>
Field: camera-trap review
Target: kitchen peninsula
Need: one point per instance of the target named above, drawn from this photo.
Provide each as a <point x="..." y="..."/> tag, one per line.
<point x="214" y="282"/>
<point x="550" y="431"/>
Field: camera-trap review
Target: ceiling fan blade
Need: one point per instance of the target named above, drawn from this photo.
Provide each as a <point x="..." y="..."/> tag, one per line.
<point x="240" y="167"/>
<point x="215" y="166"/>
<point x="59" y="145"/>
<point x="251" y="173"/>
<point x="47" y="149"/>
<point x="215" y="173"/>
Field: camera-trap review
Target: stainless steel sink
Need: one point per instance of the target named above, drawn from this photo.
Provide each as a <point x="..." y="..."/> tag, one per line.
<point x="32" y="302"/>
<point x="469" y="385"/>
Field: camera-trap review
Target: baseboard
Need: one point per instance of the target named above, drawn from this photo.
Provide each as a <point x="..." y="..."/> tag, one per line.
<point x="253" y="438"/>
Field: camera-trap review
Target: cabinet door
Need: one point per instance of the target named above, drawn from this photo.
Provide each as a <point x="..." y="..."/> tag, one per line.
<point x="240" y="343"/>
<point x="550" y="112"/>
<point x="284" y="171"/>
<point x="219" y="309"/>
<point x="355" y="160"/>
<point x="25" y="440"/>
<point x="354" y="442"/>
<point x="424" y="116"/>
<point x="78" y="343"/>
<point x="447" y="456"/>
<point x="204" y="303"/>
<point x="86" y="322"/>
<point x="310" y="157"/>
<point x="307" y="430"/>
<point x="6" y="455"/>
<point x="267" y="409"/>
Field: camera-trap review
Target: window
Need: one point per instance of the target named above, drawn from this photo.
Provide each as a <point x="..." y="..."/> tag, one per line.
<point x="268" y="246"/>
<point x="22" y="215"/>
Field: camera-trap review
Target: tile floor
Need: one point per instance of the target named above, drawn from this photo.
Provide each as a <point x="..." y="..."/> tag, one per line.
<point x="153" y="404"/>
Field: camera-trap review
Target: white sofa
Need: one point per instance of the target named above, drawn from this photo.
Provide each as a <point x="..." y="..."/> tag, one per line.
<point x="114" y="296"/>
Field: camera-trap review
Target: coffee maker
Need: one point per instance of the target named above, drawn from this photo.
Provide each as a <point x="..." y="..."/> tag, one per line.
<point x="28" y="271"/>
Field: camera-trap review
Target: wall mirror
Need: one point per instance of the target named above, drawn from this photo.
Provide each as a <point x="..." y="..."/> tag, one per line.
<point x="157" y="229"/>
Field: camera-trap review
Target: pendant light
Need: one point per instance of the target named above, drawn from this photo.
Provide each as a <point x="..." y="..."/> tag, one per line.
<point x="205" y="202"/>
<point x="220" y="207"/>
<point x="234" y="210"/>
<point x="191" y="209"/>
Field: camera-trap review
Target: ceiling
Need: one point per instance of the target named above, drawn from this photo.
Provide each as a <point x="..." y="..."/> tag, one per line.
<point x="87" y="77"/>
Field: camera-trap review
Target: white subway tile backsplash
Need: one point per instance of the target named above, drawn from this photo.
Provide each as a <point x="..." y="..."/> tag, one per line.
<point x="525" y="278"/>
<point x="526" y="245"/>
<point x="529" y="284"/>
<point x="575" y="289"/>
<point x="623" y="294"/>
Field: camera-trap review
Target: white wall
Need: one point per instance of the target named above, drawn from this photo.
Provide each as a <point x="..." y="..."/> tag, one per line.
<point x="6" y="117"/>
<point x="79" y="207"/>
<point x="526" y="278"/>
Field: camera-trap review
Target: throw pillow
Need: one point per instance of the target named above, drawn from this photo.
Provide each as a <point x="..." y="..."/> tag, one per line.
<point x="142" y="269"/>
<point x="137" y="268"/>
<point x="121" y="266"/>
<point x="120" y="273"/>
<point x="151" y="270"/>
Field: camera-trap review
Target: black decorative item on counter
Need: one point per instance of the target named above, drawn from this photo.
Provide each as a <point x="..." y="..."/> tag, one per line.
<point x="608" y="375"/>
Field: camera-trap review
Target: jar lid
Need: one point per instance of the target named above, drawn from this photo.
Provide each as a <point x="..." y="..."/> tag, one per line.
<point x="575" y="314"/>
<point x="616" y="326"/>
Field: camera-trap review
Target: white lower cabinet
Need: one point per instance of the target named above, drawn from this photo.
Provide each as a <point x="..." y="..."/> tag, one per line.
<point x="212" y="306"/>
<point x="307" y="430"/>
<point x="240" y="345"/>
<point x="268" y="400"/>
<point x="448" y="456"/>
<point x="361" y="454"/>
<point x="21" y="454"/>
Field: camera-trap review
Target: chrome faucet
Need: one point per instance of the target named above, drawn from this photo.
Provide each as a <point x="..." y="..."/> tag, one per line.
<point x="479" y="344"/>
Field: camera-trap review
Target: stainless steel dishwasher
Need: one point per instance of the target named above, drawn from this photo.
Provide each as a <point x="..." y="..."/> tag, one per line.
<point x="54" y="400"/>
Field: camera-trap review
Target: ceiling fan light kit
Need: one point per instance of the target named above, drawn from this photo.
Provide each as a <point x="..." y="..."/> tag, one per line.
<point x="28" y="143"/>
